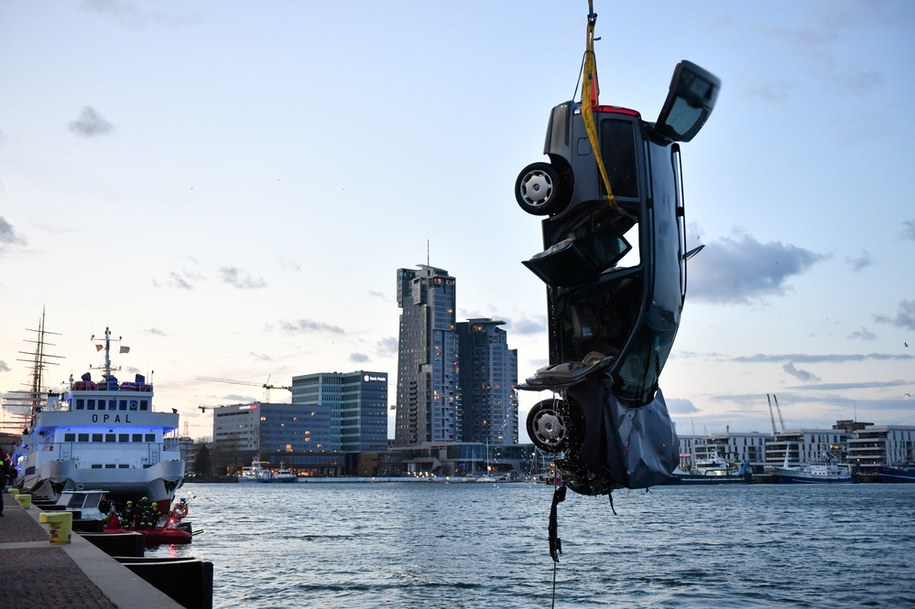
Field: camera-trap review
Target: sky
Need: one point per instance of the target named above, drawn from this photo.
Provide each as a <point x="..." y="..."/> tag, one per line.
<point x="231" y="187"/>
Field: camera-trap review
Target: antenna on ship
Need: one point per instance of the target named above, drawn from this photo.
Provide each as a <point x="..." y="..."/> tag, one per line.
<point x="107" y="348"/>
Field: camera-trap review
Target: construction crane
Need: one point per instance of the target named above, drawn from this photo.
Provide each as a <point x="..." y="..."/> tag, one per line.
<point x="267" y="386"/>
<point x="772" y="416"/>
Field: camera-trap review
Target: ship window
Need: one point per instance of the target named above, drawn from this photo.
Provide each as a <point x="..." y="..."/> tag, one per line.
<point x="112" y="405"/>
<point x="110" y="466"/>
<point x="76" y="501"/>
<point x="90" y="404"/>
<point x="133" y="404"/>
<point x="96" y="466"/>
<point x="79" y="404"/>
<point x="124" y="437"/>
<point x="83" y="437"/>
<point x="150" y="437"/>
<point x="123" y="405"/>
<point x="110" y="437"/>
<point x="144" y="404"/>
<point x="123" y="466"/>
<point x="69" y="437"/>
<point x="96" y="437"/>
<point x="137" y="437"/>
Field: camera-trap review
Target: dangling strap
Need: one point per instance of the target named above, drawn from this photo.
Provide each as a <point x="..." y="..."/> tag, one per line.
<point x="559" y="495"/>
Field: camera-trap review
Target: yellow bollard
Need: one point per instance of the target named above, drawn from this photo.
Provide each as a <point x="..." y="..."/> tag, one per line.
<point x="24" y="500"/>
<point x="12" y="490"/>
<point x="60" y="525"/>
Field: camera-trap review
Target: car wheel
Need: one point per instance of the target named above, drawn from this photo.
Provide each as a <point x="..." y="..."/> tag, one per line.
<point x="547" y="426"/>
<point x="539" y="190"/>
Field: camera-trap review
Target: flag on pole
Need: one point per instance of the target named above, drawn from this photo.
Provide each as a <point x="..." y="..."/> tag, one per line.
<point x="99" y="347"/>
<point x="123" y="349"/>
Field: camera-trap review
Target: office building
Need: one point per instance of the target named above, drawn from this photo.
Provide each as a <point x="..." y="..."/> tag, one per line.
<point x="488" y="374"/>
<point x="428" y="387"/>
<point x="355" y="404"/>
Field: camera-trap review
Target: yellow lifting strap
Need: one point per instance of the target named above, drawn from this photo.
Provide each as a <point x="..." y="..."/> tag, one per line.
<point x="589" y="93"/>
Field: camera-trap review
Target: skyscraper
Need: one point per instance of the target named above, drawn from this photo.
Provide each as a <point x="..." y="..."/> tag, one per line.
<point x="488" y="374"/>
<point x="428" y="388"/>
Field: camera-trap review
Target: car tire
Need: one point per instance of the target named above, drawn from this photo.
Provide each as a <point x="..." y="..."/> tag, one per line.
<point x="540" y="191"/>
<point x="553" y="427"/>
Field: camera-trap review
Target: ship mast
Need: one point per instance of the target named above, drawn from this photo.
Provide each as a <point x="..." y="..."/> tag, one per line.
<point x="23" y="404"/>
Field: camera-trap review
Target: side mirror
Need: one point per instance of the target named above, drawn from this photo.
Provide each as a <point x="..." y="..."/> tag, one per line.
<point x="689" y="102"/>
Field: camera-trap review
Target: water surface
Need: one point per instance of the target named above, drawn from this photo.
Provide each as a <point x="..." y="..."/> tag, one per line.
<point x="485" y="545"/>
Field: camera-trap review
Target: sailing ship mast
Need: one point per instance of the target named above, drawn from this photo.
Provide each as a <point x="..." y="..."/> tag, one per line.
<point x="22" y="405"/>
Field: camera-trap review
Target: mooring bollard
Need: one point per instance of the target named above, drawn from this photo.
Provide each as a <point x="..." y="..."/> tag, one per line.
<point x="60" y="525"/>
<point x="24" y="500"/>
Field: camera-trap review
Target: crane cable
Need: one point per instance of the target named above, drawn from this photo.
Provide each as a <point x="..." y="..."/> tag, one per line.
<point x="589" y="94"/>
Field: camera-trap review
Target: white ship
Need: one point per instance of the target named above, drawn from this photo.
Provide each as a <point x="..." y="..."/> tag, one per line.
<point x="101" y="434"/>
<point x="256" y="472"/>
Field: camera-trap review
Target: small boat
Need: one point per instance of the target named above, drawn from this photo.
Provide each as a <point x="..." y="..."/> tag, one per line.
<point x="284" y="475"/>
<point x="93" y="505"/>
<point x="256" y="472"/>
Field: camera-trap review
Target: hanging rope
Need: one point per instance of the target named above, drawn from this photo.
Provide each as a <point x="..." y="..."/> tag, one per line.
<point x="589" y="95"/>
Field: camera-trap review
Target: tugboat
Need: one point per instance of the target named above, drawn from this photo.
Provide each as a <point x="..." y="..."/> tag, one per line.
<point x="101" y="434"/>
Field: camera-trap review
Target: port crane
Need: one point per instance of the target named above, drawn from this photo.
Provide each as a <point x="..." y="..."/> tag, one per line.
<point x="267" y="386"/>
<point x="772" y="416"/>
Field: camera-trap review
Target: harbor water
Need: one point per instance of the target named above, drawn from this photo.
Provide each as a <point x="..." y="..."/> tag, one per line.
<point x="434" y="545"/>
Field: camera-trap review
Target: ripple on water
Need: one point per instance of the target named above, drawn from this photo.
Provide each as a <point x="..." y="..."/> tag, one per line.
<point x="360" y="546"/>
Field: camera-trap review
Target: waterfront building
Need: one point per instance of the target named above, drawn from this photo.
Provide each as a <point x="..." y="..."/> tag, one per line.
<point x="488" y="375"/>
<point x="806" y="446"/>
<point x="879" y="445"/>
<point x="355" y="404"/>
<point x="428" y="389"/>
<point x="272" y="432"/>
<point x="734" y="447"/>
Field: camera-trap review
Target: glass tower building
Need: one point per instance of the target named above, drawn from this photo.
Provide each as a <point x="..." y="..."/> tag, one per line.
<point x="488" y="375"/>
<point x="355" y="404"/>
<point x="428" y="387"/>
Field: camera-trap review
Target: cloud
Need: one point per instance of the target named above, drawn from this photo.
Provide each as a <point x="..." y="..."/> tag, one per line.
<point x="771" y="92"/>
<point x="834" y="358"/>
<point x="909" y="229"/>
<point x="155" y="332"/>
<point x="90" y="123"/>
<point x="236" y="277"/>
<point x="861" y="262"/>
<point x="528" y="325"/>
<point x="308" y="326"/>
<point x="4" y="367"/>
<point x="377" y="294"/>
<point x="175" y="280"/>
<point x="905" y="316"/>
<point x="128" y="14"/>
<point x="8" y="235"/>
<point x="802" y="375"/>
<point x="388" y="346"/>
<point x="681" y="406"/>
<point x="743" y="270"/>
<point x="236" y="398"/>
<point x="863" y="334"/>
<point x="359" y="358"/>
<point x="261" y="356"/>
<point x="853" y="386"/>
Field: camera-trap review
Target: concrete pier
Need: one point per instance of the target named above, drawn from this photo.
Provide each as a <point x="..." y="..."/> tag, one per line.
<point x="41" y="575"/>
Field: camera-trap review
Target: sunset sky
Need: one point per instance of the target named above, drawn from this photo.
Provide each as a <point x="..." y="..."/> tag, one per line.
<point x="232" y="186"/>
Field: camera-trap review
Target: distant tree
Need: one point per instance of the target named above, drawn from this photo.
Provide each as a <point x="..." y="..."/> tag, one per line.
<point x="203" y="464"/>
